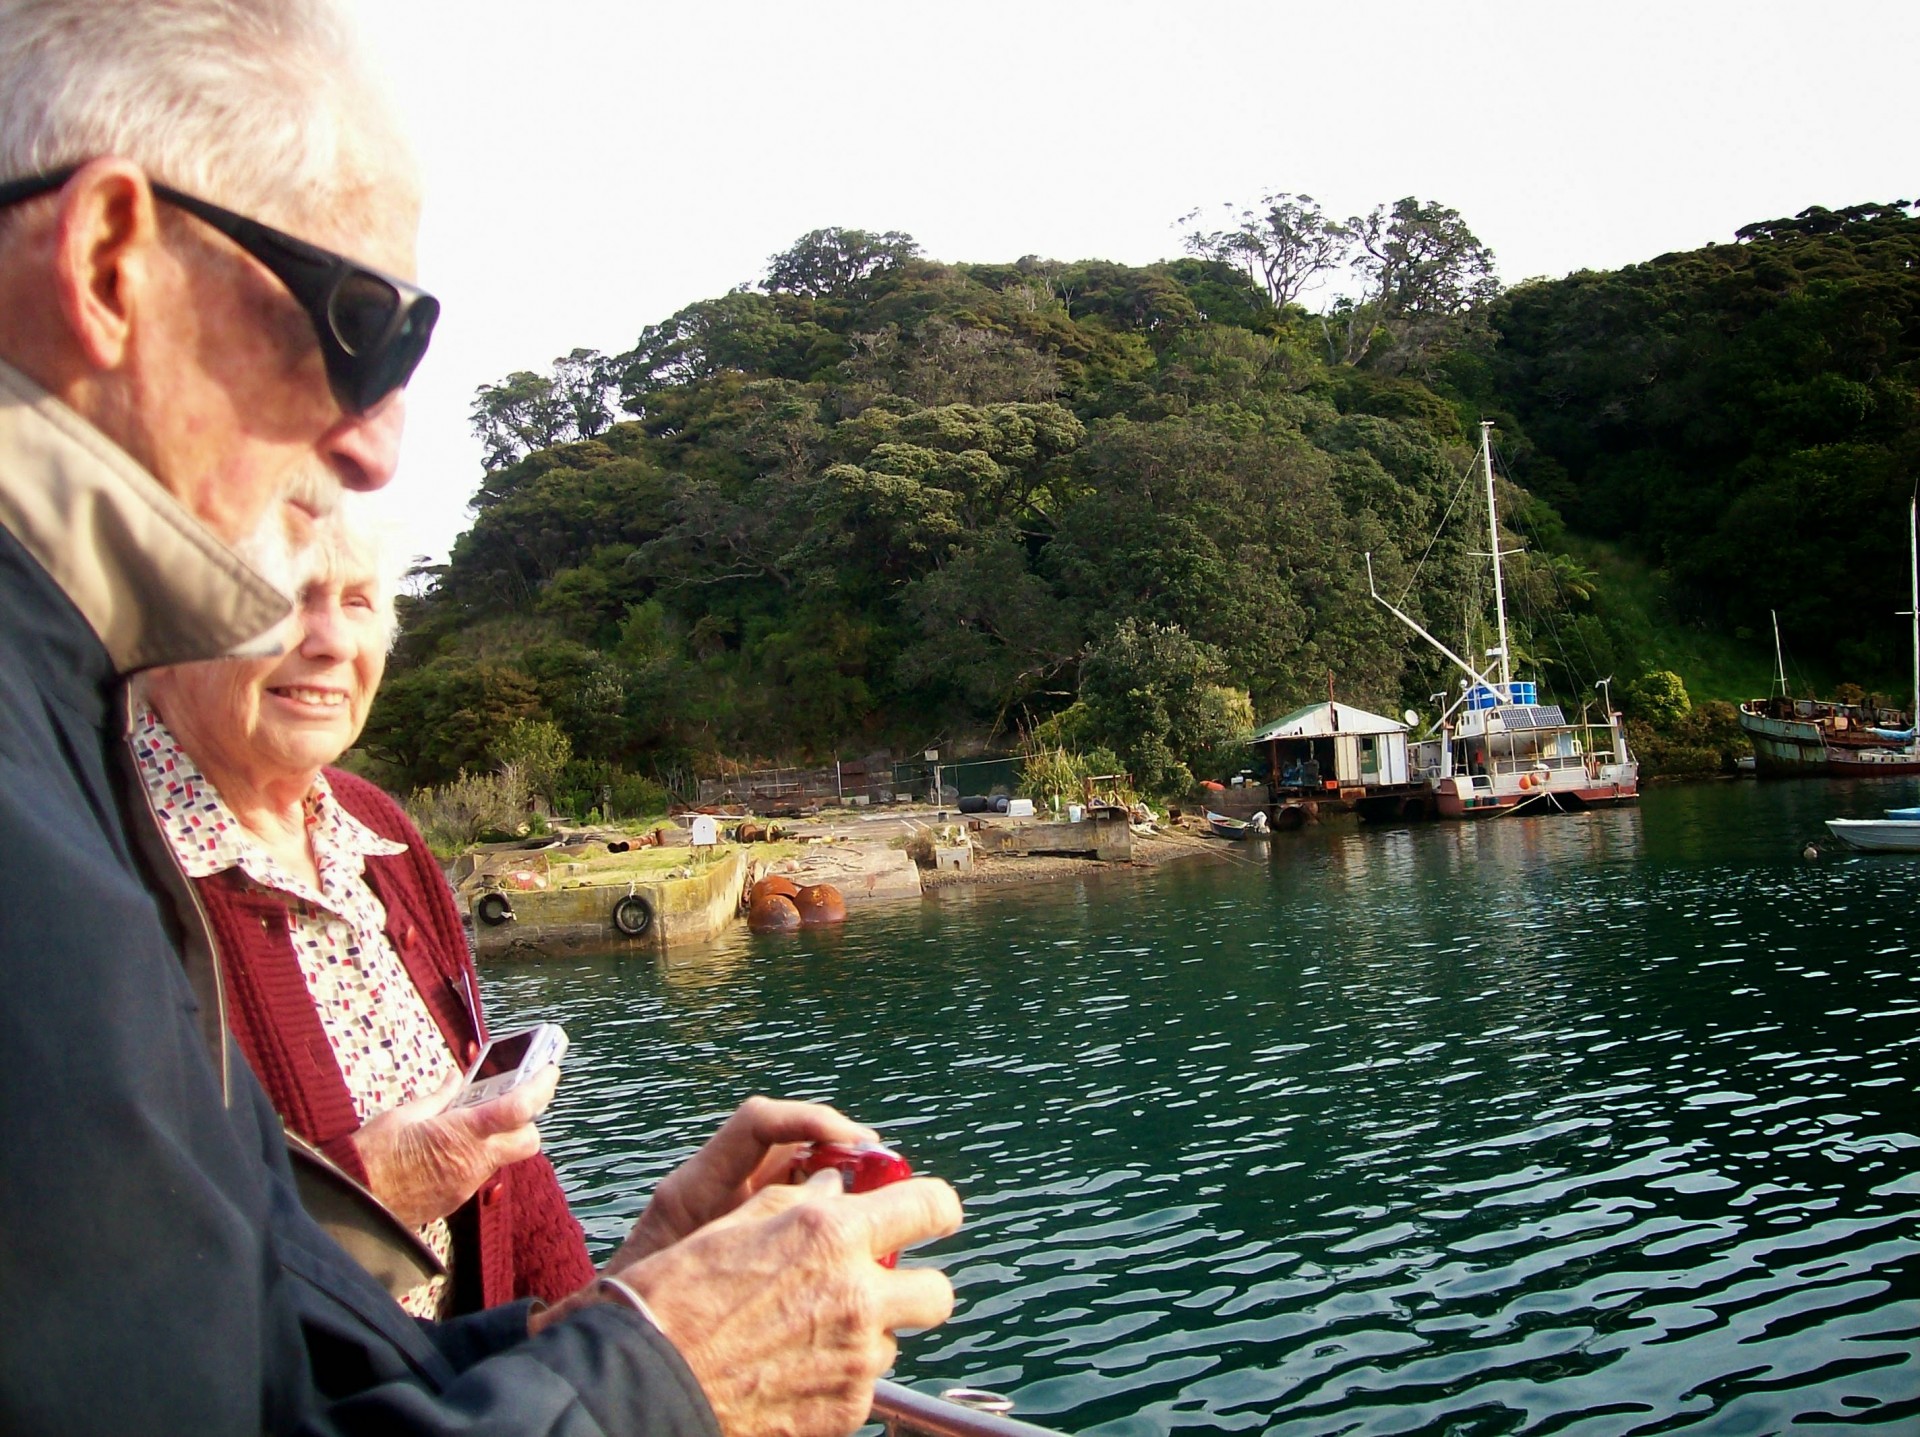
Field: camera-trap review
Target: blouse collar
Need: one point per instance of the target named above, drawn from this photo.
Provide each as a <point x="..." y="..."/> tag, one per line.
<point x="208" y="838"/>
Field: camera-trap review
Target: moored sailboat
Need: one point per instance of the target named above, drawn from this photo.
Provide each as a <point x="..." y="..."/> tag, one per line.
<point x="1497" y="749"/>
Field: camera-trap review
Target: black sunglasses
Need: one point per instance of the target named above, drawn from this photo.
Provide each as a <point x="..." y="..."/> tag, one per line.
<point x="372" y="328"/>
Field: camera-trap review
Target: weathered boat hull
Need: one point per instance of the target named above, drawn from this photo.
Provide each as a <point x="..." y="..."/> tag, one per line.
<point x="1801" y="747"/>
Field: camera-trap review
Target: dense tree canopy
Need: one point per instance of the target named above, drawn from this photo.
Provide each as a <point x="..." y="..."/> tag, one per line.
<point x="1743" y="414"/>
<point x="879" y="498"/>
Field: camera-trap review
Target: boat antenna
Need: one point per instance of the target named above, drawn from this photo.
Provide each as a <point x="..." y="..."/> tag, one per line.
<point x="1493" y="533"/>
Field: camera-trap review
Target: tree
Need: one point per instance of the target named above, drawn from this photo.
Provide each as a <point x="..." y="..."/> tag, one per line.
<point x="1659" y="698"/>
<point x="838" y="263"/>
<point x="539" y="750"/>
<point x="584" y="380"/>
<point x="1159" y="700"/>
<point x="526" y="411"/>
<point x="1285" y="243"/>
<point x="743" y="332"/>
<point x="1424" y="273"/>
<point x="947" y="363"/>
<point x="434" y="722"/>
<point x="992" y="629"/>
<point x="521" y="413"/>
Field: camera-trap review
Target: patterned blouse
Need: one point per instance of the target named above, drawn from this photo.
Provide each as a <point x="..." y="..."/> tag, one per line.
<point x="389" y="1048"/>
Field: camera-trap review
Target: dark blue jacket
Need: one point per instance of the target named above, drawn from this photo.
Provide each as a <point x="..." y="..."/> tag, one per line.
<point x="157" y="1271"/>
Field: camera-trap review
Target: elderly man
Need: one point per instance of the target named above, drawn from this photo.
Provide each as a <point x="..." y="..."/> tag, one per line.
<point x="204" y="217"/>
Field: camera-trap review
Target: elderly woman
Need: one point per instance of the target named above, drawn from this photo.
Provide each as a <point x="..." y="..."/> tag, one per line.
<point x="350" y="987"/>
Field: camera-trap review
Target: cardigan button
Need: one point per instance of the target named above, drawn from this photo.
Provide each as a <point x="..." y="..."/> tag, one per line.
<point x="490" y="1194"/>
<point x="473" y="1050"/>
<point x="406" y="939"/>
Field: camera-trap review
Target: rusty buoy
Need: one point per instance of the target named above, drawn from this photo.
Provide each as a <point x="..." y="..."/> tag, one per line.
<point x="775" y="884"/>
<point x="820" y="904"/>
<point x="773" y="913"/>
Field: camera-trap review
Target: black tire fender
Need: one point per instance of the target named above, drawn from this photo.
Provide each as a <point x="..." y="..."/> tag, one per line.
<point x="493" y="909"/>
<point x="633" y="915"/>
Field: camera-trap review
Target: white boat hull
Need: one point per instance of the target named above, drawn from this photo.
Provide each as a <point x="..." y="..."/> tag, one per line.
<point x="1877" y="835"/>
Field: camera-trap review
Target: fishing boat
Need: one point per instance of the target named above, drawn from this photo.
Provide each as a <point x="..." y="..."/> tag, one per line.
<point x="1898" y="832"/>
<point x="1496" y="748"/>
<point x="1222" y="826"/>
<point x="1808" y="737"/>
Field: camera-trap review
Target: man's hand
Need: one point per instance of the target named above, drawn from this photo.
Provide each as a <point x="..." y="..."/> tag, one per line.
<point x="782" y="1309"/>
<point x="425" y="1158"/>
<point x="753" y="1148"/>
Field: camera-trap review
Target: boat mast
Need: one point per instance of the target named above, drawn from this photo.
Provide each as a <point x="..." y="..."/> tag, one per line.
<point x="1913" y="566"/>
<point x="1493" y="533"/>
<point x="1779" y="664"/>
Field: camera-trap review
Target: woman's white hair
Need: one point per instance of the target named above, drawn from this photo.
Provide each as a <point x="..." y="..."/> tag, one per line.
<point x="267" y="106"/>
<point x="353" y="545"/>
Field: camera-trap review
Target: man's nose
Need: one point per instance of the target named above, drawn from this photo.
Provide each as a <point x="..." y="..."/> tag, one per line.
<point x="364" y="449"/>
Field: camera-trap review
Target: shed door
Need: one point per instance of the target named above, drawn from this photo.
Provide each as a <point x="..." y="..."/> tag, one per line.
<point x="1393" y="758"/>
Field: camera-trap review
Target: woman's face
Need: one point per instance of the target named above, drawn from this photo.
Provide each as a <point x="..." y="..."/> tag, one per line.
<point x="282" y="719"/>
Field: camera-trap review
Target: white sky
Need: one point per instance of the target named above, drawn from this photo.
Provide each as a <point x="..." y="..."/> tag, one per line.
<point x="594" y="165"/>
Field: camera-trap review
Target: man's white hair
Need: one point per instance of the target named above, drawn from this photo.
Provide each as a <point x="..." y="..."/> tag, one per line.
<point x="266" y="106"/>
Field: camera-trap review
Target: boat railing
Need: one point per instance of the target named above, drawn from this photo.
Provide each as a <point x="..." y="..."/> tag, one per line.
<point x="1545" y="761"/>
<point x="958" y="1412"/>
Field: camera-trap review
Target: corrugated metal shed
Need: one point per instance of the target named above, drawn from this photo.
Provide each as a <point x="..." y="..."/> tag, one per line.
<point x="1325" y="720"/>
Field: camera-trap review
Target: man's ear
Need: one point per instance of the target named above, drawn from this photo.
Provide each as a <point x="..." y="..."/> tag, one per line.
<point x="106" y="236"/>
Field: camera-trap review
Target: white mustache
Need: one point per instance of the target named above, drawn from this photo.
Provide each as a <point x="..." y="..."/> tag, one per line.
<point x="317" y="489"/>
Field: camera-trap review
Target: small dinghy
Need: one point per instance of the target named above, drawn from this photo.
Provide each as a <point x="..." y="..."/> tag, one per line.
<point x="1235" y="828"/>
<point x="1898" y="832"/>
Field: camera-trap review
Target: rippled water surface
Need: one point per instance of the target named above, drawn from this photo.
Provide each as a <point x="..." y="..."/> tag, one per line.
<point x="1592" y="1124"/>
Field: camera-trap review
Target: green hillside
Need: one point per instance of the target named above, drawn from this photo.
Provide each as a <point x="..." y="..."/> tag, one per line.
<point x="881" y="500"/>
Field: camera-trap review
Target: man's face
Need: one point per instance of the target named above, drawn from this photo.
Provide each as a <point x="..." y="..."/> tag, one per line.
<point x="231" y="406"/>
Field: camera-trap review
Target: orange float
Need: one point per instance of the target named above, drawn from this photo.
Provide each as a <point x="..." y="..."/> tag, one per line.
<point x="820" y="904"/>
<point x="773" y="913"/>
<point x="774" y="885"/>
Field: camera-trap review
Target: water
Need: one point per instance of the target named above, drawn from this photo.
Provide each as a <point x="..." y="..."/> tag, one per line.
<point x="1598" y="1124"/>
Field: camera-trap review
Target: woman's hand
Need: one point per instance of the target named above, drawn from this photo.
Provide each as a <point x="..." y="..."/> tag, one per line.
<point x="754" y="1148"/>
<point x="426" y="1157"/>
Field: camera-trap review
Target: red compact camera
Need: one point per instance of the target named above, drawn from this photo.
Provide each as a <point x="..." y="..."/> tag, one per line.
<point x="862" y="1168"/>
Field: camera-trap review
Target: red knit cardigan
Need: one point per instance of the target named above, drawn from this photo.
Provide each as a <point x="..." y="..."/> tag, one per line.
<point x="515" y="1235"/>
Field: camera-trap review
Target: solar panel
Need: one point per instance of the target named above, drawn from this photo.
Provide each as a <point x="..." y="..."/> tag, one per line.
<point x="1533" y="716"/>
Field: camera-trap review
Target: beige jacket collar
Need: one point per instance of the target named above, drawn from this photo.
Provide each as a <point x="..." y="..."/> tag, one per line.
<point x="154" y="582"/>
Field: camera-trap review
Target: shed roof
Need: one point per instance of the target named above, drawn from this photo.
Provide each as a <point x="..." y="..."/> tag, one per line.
<point x="1325" y="720"/>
